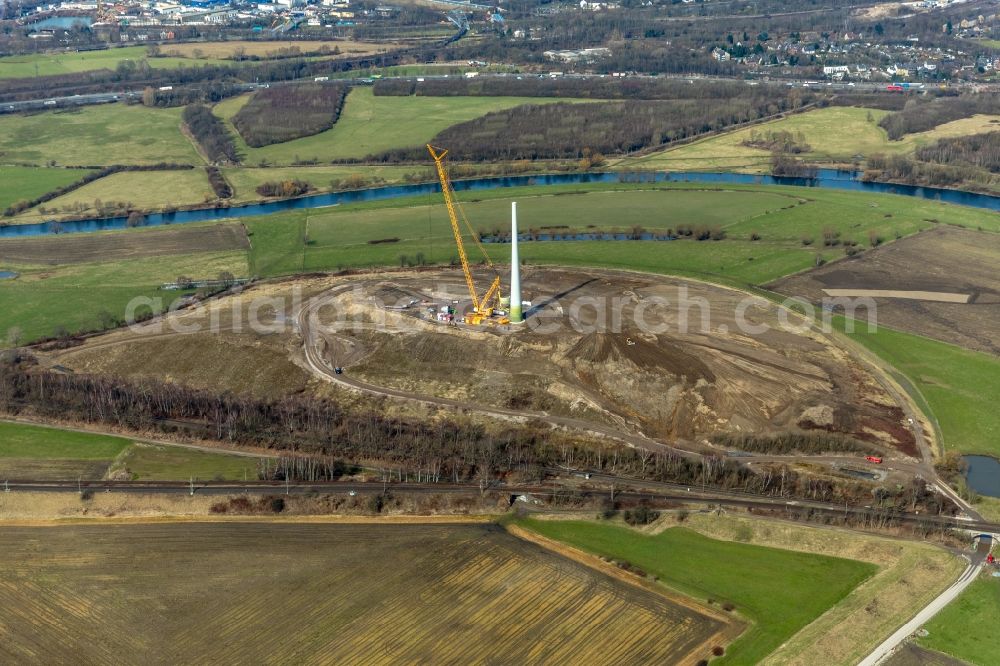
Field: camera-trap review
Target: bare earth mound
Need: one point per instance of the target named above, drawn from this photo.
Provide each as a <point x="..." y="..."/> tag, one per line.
<point x="332" y="594"/>
<point x="634" y="354"/>
<point x="943" y="261"/>
<point x="660" y="356"/>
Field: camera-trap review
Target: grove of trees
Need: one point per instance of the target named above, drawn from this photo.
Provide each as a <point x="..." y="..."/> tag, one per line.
<point x="211" y="134"/>
<point x="283" y="113"/>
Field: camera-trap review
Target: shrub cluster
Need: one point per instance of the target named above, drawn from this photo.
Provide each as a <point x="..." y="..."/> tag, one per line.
<point x="283" y="188"/>
<point x="219" y="184"/>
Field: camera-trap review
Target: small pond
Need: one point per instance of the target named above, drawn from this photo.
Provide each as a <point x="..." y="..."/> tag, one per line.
<point x="983" y="474"/>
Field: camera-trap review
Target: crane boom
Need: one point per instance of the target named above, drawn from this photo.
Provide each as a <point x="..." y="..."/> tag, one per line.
<point x="453" y="217"/>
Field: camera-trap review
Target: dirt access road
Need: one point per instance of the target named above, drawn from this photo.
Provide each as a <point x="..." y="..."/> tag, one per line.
<point x="306" y="318"/>
<point x="307" y="322"/>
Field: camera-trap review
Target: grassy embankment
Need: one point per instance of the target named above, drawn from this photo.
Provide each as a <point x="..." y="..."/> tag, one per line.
<point x="838" y="135"/>
<point x="780" y="591"/>
<point x="41" y="453"/>
<point x="958" y="385"/>
<point x="31" y="452"/>
<point x="246" y="179"/>
<point x="143" y="189"/>
<point x="965" y="629"/>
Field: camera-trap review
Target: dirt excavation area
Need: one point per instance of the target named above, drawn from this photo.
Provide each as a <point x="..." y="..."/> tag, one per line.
<point x="943" y="283"/>
<point x="672" y="359"/>
<point x="683" y="362"/>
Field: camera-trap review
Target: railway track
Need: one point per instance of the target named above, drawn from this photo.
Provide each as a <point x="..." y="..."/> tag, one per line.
<point x="627" y="490"/>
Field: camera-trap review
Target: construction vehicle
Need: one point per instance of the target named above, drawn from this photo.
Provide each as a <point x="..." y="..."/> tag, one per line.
<point x="483" y="309"/>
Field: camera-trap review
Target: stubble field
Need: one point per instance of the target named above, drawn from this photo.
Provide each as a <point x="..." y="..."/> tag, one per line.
<point x="300" y="593"/>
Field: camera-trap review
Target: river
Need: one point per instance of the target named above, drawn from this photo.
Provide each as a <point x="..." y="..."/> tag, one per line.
<point x="827" y="178"/>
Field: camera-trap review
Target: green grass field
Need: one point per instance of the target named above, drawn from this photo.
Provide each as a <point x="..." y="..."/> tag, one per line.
<point x="34" y="452"/>
<point x="38" y="452"/>
<point x="370" y="124"/>
<point x="148" y="462"/>
<point x="146" y="190"/>
<point x="41" y="299"/>
<point x="835" y="134"/>
<point x="19" y="440"/>
<point x="781" y="216"/>
<point x="47" y="64"/>
<point x="960" y="386"/>
<point x="97" y="135"/>
<point x="26" y="183"/>
<point x="745" y="575"/>
<point x="965" y="628"/>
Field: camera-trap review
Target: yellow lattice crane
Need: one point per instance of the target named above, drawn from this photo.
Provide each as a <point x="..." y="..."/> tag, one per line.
<point x="482" y="308"/>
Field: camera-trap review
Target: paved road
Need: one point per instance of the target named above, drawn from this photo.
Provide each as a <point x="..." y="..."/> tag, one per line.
<point x="115" y="93"/>
<point x="924" y="616"/>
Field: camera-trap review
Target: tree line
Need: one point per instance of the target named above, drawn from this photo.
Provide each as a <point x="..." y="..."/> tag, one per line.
<point x="919" y="115"/>
<point x="283" y="113"/>
<point x="565" y="130"/>
<point x="806" y="443"/>
<point x="88" y="177"/>
<point x="436" y="451"/>
<point x="981" y="151"/>
<point x="904" y="169"/>
<point x="218" y="181"/>
<point x="211" y="134"/>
